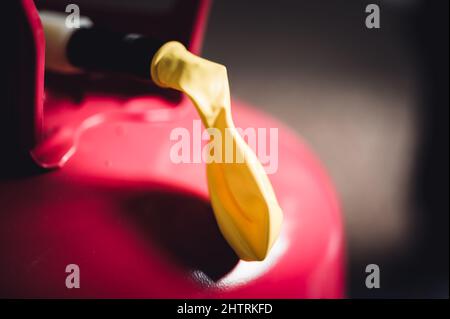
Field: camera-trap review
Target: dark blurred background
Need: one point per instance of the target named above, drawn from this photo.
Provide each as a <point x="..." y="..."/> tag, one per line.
<point x="373" y="104"/>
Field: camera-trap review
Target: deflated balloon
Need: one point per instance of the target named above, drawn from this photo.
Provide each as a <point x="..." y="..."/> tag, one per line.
<point x="242" y="197"/>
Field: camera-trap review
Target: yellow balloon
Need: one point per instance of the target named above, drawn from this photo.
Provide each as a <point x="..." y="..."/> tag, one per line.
<point x="242" y="197"/>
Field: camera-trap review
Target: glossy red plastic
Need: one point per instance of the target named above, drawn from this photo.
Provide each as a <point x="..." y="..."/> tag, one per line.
<point x="140" y="226"/>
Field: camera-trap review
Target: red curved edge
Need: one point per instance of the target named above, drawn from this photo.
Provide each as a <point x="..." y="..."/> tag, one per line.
<point x="38" y="38"/>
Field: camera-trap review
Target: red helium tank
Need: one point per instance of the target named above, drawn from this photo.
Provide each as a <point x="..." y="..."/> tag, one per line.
<point x="86" y="179"/>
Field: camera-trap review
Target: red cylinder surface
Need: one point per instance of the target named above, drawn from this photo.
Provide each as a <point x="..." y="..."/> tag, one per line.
<point x="140" y="226"/>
